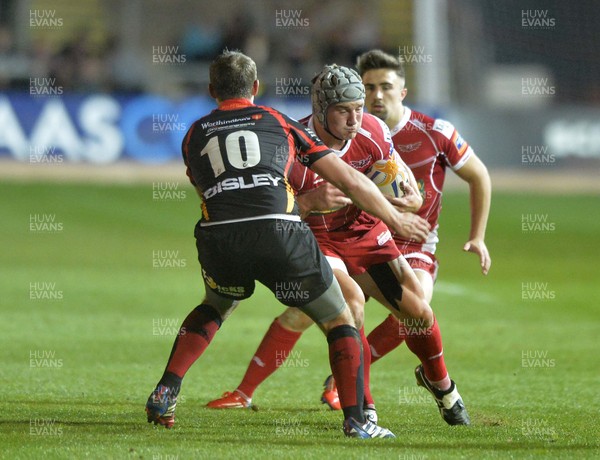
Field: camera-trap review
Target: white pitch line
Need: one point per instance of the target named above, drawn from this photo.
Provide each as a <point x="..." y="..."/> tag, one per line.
<point x="458" y="290"/>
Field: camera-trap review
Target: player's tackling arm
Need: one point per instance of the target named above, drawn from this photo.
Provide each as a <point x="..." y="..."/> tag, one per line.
<point x="476" y="175"/>
<point x="358" y="188"/>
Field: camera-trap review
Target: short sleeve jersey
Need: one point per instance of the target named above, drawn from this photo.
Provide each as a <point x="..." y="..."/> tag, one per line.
<point x="372" y="142"/>
<point x="428" y="146"/>
<point x="239" y="157"/>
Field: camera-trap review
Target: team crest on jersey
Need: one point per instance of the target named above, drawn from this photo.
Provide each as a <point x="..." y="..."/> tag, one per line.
<point x="256" y="116"/>
<point x="406" y="148"/>
<point x="360" y="163"/>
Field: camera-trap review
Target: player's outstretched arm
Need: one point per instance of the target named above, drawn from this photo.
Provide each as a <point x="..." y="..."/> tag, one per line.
<point x="358" y="188"/>
<point x="476" y="175"/>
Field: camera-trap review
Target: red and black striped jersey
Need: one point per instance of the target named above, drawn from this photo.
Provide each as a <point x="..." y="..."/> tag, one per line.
<point x="239" y="157"/>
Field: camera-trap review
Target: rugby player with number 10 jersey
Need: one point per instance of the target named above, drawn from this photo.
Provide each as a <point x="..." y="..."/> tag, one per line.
<point x="238" y="158"/>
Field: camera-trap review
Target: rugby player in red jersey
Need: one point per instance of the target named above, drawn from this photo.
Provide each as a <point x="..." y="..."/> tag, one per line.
<point x="428" y="146"/>
<point x="238" y="158"/>
<point x="359" y="247"/>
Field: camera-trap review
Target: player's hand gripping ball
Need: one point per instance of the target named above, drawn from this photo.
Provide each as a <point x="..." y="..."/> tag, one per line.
<point x="389" y="176"/>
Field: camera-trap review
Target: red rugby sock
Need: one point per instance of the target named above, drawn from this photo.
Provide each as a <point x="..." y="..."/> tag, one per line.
<point x="366" y="368"/>
<point x="427" y="345"/>
<point x="345" y="358"/>
<point x="385" y="338"/>
<point x="274" y="349"/>
<point x="194" y="336"/>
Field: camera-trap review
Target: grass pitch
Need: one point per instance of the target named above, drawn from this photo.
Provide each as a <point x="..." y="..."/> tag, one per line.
<point x="95" y="281"/>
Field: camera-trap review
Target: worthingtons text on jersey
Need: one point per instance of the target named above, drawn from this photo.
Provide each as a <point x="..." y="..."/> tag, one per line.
<point x="210" y="124"/>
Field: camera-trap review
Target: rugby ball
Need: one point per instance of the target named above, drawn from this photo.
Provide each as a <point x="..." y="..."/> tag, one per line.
<point x="389" y="176"/>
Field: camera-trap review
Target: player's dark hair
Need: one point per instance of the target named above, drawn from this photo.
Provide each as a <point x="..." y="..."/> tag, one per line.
<point x="377" y="59"/>
<point x="232" y="75"/>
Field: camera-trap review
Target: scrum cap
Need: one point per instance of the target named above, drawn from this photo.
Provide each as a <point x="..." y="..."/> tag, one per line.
<point x="333" y="85"/>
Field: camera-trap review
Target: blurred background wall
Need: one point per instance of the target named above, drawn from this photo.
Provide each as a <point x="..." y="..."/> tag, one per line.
<point x="101" y="81"/>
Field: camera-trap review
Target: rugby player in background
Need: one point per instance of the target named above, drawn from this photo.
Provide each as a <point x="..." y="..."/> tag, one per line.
<point x="428" y="146"/>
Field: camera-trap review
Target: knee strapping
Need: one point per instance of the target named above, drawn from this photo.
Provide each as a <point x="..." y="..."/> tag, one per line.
<point x="388" y="284"/>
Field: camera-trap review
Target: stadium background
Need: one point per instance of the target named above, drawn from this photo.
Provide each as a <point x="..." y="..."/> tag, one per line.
<point x="98" y="264"/>
<point x="125" y="79"/>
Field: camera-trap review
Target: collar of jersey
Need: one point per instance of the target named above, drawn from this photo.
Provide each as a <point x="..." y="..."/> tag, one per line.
<point x="402" y="123"/>
<point x="232" y="104"/>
